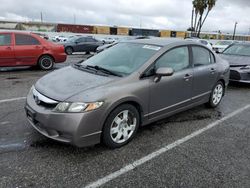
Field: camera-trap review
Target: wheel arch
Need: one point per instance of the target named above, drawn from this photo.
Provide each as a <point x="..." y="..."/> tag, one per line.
<point x="46" y="54"/>
<point x="130" y="101"/>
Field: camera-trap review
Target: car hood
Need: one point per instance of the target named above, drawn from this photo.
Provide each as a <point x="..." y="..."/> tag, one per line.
<point x="235" y="60"/>
<point x="67" y="82"/>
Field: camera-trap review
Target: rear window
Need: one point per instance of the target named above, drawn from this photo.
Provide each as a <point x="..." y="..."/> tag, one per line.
<point x="26" y="40"/>
<point x="5" y="39"/>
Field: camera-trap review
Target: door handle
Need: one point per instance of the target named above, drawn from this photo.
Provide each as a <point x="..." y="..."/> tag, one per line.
<point x="187" y="77"/>
<point x="8" y="48"/>
<point x="37" y="47"/>
<point x="212" y="70"/>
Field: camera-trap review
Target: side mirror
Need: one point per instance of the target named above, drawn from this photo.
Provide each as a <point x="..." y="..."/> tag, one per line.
<point x="217" y="52"/>
<point x="163" y="71"/>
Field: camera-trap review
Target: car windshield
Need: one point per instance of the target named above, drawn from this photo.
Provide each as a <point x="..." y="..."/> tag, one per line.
<point x="123" y="58"/>
<point x="243" y="50"/>
<point x="223" y="43"/>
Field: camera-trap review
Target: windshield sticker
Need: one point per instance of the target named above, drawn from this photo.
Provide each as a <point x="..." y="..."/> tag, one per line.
<point x="156" y="48"/>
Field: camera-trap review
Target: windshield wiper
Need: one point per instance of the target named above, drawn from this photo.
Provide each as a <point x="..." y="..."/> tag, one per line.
<point x="103" y="70"/>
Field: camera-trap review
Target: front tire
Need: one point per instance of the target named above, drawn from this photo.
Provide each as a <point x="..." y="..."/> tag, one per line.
<point x="46" y="62"/>
<point x="216" y="95"/>
<point x="121" y="126"/>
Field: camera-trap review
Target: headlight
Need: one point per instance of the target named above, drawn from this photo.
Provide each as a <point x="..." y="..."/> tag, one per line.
<point x="77" y="107"/>
<point x="246" y="67"/>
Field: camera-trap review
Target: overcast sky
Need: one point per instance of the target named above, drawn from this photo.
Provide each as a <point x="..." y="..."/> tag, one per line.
<point x="157" y="14"/>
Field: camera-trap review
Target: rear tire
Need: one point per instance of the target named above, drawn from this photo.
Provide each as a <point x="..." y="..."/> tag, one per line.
<point x="216" y="95"/>
<point x="46" y="62"/>
<point x="69" y="50"/>
<point x="121" y="126"/>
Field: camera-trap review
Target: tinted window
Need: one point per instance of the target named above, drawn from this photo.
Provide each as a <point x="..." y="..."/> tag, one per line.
<point x="201" y="56"/>
<point x="81" y="40"/>
<point x="26" y="40"/>
<point x="90" y="40"/>
<point x="5" y="39"/>
<point x="177" y="59"/>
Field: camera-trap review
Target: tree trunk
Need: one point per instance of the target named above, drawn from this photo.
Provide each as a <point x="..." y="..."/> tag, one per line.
<point x="195" y="22"/>
<point x="205" y="18"/>
<point x="199" y="30"/>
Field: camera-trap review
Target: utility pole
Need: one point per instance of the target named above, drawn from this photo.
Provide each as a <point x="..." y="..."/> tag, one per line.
<point x="74" y="19"/>
<point x="41" y="16"/>
<point x="235" y="26"/>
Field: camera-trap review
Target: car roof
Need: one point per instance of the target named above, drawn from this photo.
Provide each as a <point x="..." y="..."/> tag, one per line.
<point x="162" y="42"/>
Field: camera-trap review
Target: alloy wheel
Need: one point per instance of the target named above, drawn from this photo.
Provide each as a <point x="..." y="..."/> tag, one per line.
<point x="123" y="127"/>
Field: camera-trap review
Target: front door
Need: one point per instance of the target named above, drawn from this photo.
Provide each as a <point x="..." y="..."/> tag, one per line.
<point x="172" y="92"/>
<point x="7" y="56"/>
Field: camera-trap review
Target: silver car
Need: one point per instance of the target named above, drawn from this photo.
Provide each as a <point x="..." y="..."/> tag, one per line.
<point x="109" y="96"/>
<point x="238" y="56"/>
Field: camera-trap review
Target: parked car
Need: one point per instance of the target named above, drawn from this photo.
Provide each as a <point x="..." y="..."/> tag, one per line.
<point x="202" y="41"/>
<point x="81" y="44"/>
<point x="220" y="46"/>
<point x="59" y="38"/>
<point x="107" y="46"/>
<point x="27" y="49"/>
<point x="238" y="55"/>
<point x="110" y="95"/>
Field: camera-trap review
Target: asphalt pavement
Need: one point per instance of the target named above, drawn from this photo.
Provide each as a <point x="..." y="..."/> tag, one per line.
<point x="216" y="157"/>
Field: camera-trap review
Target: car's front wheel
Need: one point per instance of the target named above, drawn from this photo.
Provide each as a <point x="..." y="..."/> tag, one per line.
<point x="121" y="126"/>
<point x="46" y="62"/>
<point x="216" y="95"/>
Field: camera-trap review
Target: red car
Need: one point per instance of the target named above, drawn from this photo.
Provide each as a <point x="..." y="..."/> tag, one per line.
<point x="27" y="49"/>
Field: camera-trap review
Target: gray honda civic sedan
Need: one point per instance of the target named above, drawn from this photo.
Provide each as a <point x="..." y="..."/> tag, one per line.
<point x="109" y="96"/>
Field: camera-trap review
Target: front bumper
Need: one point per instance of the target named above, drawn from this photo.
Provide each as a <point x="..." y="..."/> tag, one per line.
<point x="80" y="129"/>
<point x="239" y="75"/>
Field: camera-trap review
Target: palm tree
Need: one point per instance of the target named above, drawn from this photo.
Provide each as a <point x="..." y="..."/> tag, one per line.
<point x="199" y="7"/>
<point x="210" y="5"/>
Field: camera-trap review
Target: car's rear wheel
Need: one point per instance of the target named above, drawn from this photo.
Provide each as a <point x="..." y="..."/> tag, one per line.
<point x="121" y="126"/>
<point x="46" y="62"/>
<point x="216" y="95"/>
<point x="69" y="50"/>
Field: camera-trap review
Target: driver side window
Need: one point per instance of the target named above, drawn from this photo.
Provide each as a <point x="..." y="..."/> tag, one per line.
<point x="177" y="59"/>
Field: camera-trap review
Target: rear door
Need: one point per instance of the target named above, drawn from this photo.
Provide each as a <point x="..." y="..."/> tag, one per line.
<point x="27" y="49"/>
<point x="172" y="92"/>
<point x="7" y="56"/>
<point x="205" y="72"/>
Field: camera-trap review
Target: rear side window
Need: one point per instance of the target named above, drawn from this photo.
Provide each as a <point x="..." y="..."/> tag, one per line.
<point x="90" y="40"/>
<point x="81" y="39"/>
<point x="202" y="56"/>
<point x="177" y="59"/>
<point x="5" y="39"/>
<point x="26" y="40"/>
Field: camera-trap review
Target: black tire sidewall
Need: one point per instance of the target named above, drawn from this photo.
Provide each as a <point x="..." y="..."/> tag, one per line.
<point x="41" y="65"/>
<point x="71" y="50"/>
<point x="106" y="138"/>
<point x="211" y="103"/>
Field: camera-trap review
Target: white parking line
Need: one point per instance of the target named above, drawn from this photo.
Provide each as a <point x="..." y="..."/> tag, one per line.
<point x="155" y="154"/>
<point x="13" y="99"/>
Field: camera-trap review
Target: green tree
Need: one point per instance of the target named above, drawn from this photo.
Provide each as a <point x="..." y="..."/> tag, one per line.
<point x="200" y="8"/>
